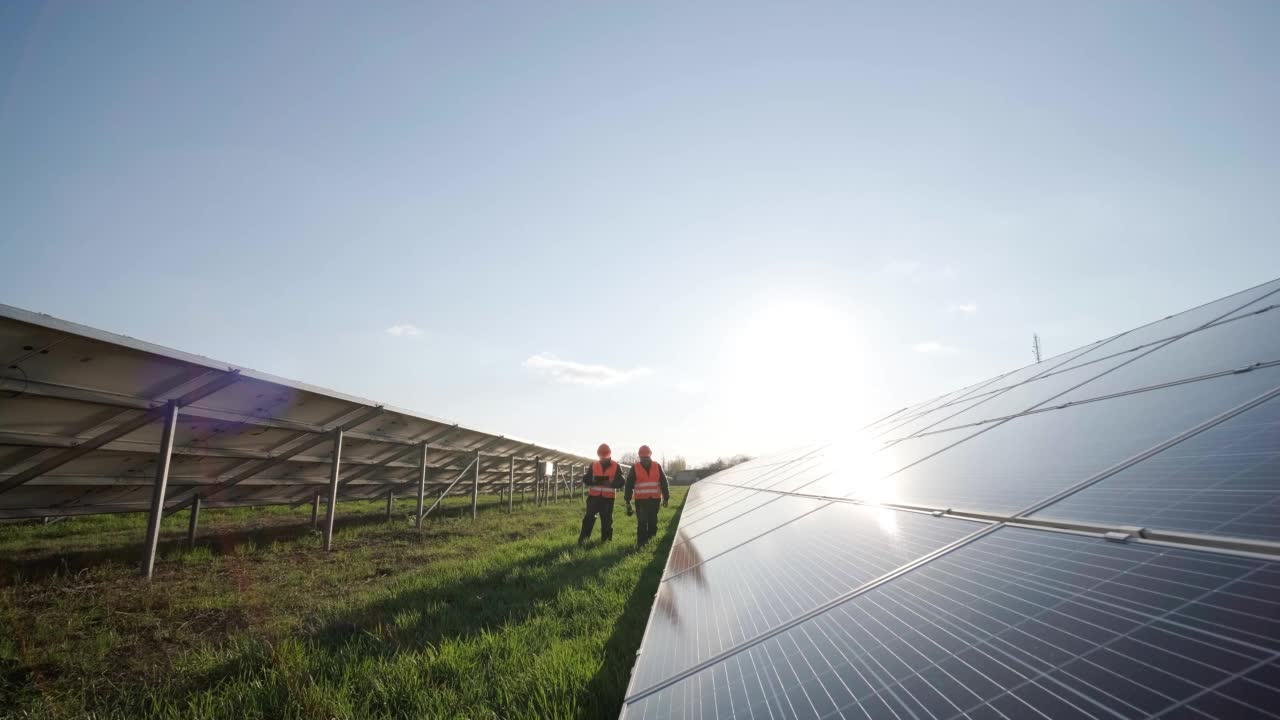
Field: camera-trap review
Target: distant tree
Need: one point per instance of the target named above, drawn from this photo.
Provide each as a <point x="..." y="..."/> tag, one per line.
<point x="629" y="458"/>
<point x="677" y="464"/>
<point x="719" y="464"/>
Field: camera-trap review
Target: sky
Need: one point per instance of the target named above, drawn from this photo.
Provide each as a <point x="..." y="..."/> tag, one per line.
<point x="714" y="228"/>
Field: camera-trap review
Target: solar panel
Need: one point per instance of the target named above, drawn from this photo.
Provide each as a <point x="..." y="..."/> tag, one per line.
<point x="82" y="416"/>
<point x="1229" y="346"/>
<point x="775" y="577"/>
<point x="1093" y="536"/>
<point x="1018" y="623"/>
<point x="1009" y="466"/>
<point x="778" y="511"/>
<point x="1224" y="481"/>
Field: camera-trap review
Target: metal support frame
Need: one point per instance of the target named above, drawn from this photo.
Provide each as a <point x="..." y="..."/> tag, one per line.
<point x="283" y="456"/>
<point x="157" y="492"/>
<point x="333" y="490"/>
<point x="539" y="470"/>
<point x="422" y="487"/>
<point x="511" y="484"/>
<point x="391" y="502"/>
<point x="445" y="490"/>
<point x="386" y="461"/>
<point x="193" y="524"/>
<point x="315" y="509"/>
<point x="165" y="412"/>
<point x="475" y="486"/>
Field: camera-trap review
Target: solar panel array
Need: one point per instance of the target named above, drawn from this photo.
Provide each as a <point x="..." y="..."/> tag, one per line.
<point x="81" y="419"/>
<point x="1093" y="536"/>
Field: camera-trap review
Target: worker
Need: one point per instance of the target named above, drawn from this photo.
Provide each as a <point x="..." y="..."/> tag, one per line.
<point x="602" y="480"/>
<point x="647" y="484"/>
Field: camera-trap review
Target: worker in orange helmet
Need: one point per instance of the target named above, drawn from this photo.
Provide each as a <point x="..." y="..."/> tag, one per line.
<point x="601" y="481"/>
<point x="646" y="483"/>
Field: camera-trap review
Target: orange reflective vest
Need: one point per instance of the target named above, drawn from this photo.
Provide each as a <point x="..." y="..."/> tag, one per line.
<point x="647" y="486"/>
<point x="598" y="473"/>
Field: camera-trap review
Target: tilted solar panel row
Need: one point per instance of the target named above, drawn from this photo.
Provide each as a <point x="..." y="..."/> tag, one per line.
<point x="1092" y="536"/>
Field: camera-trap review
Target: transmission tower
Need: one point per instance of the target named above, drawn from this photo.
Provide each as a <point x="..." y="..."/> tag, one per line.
<point x="1035" y="345"/>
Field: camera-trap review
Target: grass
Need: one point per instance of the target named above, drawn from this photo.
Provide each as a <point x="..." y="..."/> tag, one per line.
<point x="503" y="617"/>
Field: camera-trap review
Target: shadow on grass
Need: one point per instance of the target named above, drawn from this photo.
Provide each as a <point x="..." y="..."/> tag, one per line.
<point x="507" y="594"/>
<point x="608" y="686"/>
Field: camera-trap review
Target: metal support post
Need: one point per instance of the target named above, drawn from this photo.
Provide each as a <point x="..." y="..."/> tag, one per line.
<point x="391" y="502"/>
<point x="315" y="511"/>
<point x="158" y="490"/>
<point x="511" y="483"/>
<point x="555" y="485"/>
<point x="334" y="469"/>
<point x="193" y="523"/>
<point x="422" y="486"/>
<point x="475" y="486"/>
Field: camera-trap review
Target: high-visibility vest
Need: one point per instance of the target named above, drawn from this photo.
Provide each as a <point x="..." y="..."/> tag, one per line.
<point x="598" y="473"/>
<point x="647" y="486"/>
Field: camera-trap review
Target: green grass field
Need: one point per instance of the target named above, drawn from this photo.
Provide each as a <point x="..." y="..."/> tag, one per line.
<point x="501" y="617"/>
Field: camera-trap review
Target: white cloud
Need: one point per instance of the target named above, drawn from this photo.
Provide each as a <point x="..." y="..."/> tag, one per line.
<point x="967" y="308"/>
<point x="932" y="347"/>
<point x="404" y="330"/>
<point x="691" y="387"/>
<point x="568" y="371"/>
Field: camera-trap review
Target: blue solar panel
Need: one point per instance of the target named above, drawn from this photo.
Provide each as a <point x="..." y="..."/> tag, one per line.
<point x="1019" y="623"/>
<point x="1010" y="466"/>
<point x="782" y="599"/>
<point x="777" y="576"/>
<point x="1224" y="481"/>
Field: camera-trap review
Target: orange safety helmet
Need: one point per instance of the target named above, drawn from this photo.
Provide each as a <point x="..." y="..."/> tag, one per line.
<point x="645" y="452"/>
<point x="603" y="451"/>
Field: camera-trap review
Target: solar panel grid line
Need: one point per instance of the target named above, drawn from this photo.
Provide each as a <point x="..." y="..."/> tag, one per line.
<point x="1094" y="450"/>
<point x="728" y="508"/>
<point x="760" y="590"/>
<point x="1261" y="365"/>
<point x="1221" y="482"/>
<point x="998" y="421"/>
<point x="704" y="509"/>
<point x="1210" y="326"/>
<point x="1150" y="347"/>
<point x="1119" y="606"/>
<point x="982" y="397"/>
<point x="740" y="544"/>
<point x="1150" y="452"/>
<point x="919" y="593"/>
<point x="1165" y="613"/>
<point x="873" y="423"/>
<point x="1241" y="546"/>
<point x="728" y="500"/>
<point x="971" y="392"/>
<point x="816" y="611"/>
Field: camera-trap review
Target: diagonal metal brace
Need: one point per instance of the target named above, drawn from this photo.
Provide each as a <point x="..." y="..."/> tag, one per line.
<point x="119" y="431"/>
<point x="187" y="498"/>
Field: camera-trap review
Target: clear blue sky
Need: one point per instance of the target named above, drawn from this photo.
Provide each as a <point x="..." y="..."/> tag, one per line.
<point x="714" y="228"/>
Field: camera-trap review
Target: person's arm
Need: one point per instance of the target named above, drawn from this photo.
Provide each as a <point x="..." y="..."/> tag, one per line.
<point x="662" y="480"/>
<point x="631" y="485"/>
<point x="587" y="478"/>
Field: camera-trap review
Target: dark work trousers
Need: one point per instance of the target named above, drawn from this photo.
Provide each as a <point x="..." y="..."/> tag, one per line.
<point x="646" y="520"/>
<point x="603" y="507"/>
